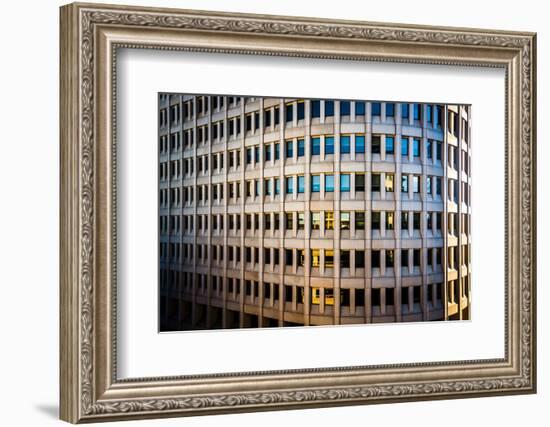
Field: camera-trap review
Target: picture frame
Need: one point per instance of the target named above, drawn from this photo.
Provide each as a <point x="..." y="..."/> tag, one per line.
<point x="91" y="34"/>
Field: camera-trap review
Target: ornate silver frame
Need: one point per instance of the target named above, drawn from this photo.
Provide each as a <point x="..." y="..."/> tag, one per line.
<point x="90" y="36"/>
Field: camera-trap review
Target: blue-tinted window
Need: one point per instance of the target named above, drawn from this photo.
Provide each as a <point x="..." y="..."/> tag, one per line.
<point x="405" y="111"/>
<point x="390" y="109"/>
<point x="315" y="146"/>
<point x="345" y="144"/>
<point x="389" y="145"/>
<point x="277" y="185"/>
<point x="289" y="149"/>
<point x="359" y="144"/>
<point x="329" y="145"/>
<point x="315" y="183"/>
<point x="301" y="148"/>
<point x="345" y="108"/>
<point x="289" y="186"/>
<point x="301" y="183"/>
<point x="248" y="155"/>
<point x="429" y="114"/>
<point x="359" y="108"/>
<point x="329" y="183"/>
<point x="416" y="147"/>
<point x="315" y="109"/>
<point x="429" y="148"/>
<point x="344" y="183"/>
<point x="404" y="146"/>
<point x="277" y="151"/>
<point x="301" y="110"/>
<point x="416" y="111"/>
<point x="329" y="108"/>
<point x="376" y="108"/>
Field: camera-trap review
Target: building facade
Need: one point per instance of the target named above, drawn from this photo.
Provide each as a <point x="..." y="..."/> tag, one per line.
<point x="292" y="212"/>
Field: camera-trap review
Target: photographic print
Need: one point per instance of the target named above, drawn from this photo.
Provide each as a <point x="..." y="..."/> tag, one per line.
<point x="277" y="212"/>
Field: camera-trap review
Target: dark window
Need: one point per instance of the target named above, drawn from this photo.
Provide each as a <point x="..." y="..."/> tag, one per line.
<point x="404" y="220"/>
<point x="375" y="184"/>
<point x="359" y="220"/>
<point x="416" y="257"/>
<point x="301" y="148"/>
<point x="289" y="111"/>
<point x="329" y="108"/>
<point x="289" y="149"/>
<point x="375" y="220"/>
<point x="359" y="108"/>
<point x="359" y="144"/>
<point x="359" y="182"/>
<point x="405" y="111"/>
<point x="390" y="109"/>
<point x="416" y="111"/>
<point x="416" y="220"/>
<point x="315" y="146"/>
<point x="289" y="257"/>
<point x="329" y="145"/>
<point x="376" y="108"/>
<point x="315" y="109"/>
<point x="344" y="259"/>
<point x="389" y="258"/>
<point x="359" y="259"/>
<point x="267" y="118"/>
<point x="345" y="144"/>
<point x="375" y="144"/>
<point x="301" y="110"/>
<point x="375" y="259"/>
<point x="404" y="258"/>
<point x="345" y="107"/>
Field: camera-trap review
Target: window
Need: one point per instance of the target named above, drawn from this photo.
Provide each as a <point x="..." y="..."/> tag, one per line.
<point x="301" y="220"/>
<point x="359" y="259"/>
<point x="277" y="185"/>
<point x="329" y="258"/>
<point x="375" y="144"/>
<point x="404" y="146"/>
<point x="289" y="185"/>
<point x="289" y="257"/>
<point x="329" y="145"/>
<point x="375" y="259"/>
<point x="315" y="183"/>
<point x="359" y="220"/>
<point x="301" y="183"/>
<point x="389" y="144"/>
<point x="359" y="144"/>
<point x="404" y="221"/>
<point x="359" y="108"/>
<point x="429" y="185"/>
<point x="267" y="118"/>
<point x="416" y="111"/>
<point x="390" y="258"/>
<point x="344" y="259"/>
<point x="329" y="183"/>
<point x="345" y="144"/>
<point x="429" y="148"/>
<point x="416" y="184"/>
<point x="289" y="112"/>
<point x="315" y="220"/>
<point x="277" y="115"/>
<point x="267" y="151"/>
<point x="345" y="108"/>
<point x="404" y="183"/>
<point x="301" y="110"/>
<point x="289" y="221"/>
<point x="429" y="114"/>
<point x="301" y="148"/>
<point x="376" y="108"/>
<point x="416" y="147"/>
<point x="375" y="220"/>
<point x="248" y="156"/>
<point x="405" y="111"/>
<point x="289" y="149"/>
<point x="344" y="183"/>
<point x="329" y="220"/>
<point x="389" y="220"/>
<point x="359" y="182"/>
<point x="315" y="258"/>
<point x="416" y="257"/>
<point x="388" y="182"/>
<point x="315" y="109"/>
<point x="438" y="146"/>
<point x="329" y="108"/>
<point x="344" y="220"/>
<point x="267" y="221"/>
<point x="416" y="220"/>
<point x="390" y="109"/>
<point x="315" y="146"/>
<point x="375" y="184"/>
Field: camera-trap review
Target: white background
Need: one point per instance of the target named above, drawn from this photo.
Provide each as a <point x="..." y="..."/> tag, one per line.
<point x="29" y="173"/>
<point x="141" y="347"/>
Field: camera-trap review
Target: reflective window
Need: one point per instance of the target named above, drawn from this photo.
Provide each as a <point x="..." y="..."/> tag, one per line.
<point x="329" y="220"/>
<point x="301" y="183"/>
<point x="405" y="111"/>
<point x="388" y="182"/>
<point x="329" y="108"/>
<point x="289" y="184"/>
<point x="344" y="220"/>
<point x="301" y="148"/>
<point x="345" y="107"/>
<point x="416" y="147"/>
<point x="390" y="109"/>
<point x="345" y="144"/>
<point x="315" y="183"/>
<point x="329" y="145"/>
<point x="315" y="220"/>
<point x="315" y="146"/>
<point x="359" y="108"/>
<point x="345" y="183"/>
<point x="329" y="183"/>
<point x="389" y="220"/>
<point x="289" y="149"/>
<point x="376" y="108"/>
<point x="315" y="108"/>
<point x="359" y="144"/>
<point x="389" y="144"/>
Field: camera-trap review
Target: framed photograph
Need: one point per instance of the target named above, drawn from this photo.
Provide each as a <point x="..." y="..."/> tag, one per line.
<point x="269" y="212"/>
